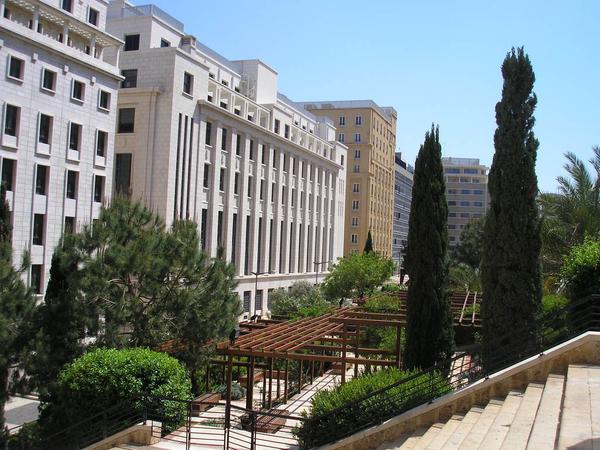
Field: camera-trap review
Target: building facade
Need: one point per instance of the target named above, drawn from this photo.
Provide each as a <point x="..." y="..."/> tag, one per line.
<point x="58" y="103"/>
<point x="204" y="138"/>
<point x="466" y="192"/>
<point x="402" y="200"/>
<point x="369" y="131"/>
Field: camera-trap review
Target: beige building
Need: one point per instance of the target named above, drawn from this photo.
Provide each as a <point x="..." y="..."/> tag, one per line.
<point x="466" y="192"/>
<point x="369" y="131"/>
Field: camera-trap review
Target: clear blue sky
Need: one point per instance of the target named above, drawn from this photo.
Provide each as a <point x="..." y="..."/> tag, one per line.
<point x="434" y="61"/>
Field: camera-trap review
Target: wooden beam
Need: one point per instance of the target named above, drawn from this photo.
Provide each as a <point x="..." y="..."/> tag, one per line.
<point x="370" y="322"/>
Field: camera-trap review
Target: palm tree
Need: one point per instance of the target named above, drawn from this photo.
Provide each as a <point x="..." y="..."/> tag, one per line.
<point x="571" y="213"/>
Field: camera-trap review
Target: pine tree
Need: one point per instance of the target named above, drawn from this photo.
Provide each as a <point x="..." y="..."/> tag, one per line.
<point x="510" y="266"/>
<point x="368" y="243"/>
<point x="429" y="332"/>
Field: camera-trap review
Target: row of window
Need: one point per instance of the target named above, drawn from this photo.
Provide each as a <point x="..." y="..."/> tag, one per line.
<point x="465" y="215"/>
<point x="342" y="138"/>
<point x="464" y="203"/>
<point x="357" y="121"/>
<point x="463" y="180"/>
<point x="469" y="171"/>
<point x="466" y="191"/>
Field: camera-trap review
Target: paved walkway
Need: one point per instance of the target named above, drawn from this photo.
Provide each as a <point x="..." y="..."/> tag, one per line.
<point x="20" y="410"/>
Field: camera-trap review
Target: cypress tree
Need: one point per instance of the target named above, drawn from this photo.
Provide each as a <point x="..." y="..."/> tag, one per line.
<point x="429" y="332"/>
<point x="510" y="266"/>
<point x="368" y="243"/>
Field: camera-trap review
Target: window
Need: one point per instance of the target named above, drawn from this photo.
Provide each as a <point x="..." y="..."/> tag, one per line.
<point x="224" y="83"/>
<point x="465" y="191"/>
<point x="356" y="188"/>
<point x="246" y="303"/>
<point x="8" y="173"/>
<point x="188" y="83"/>
<point x="69" y="225"/>
<point x="236" y="183"/>
<point x="41" y="180"/>
<point x="452" y="170"/>
<point x="276" y="127"/>
<point x="38" y="229"/>
<point x="211" y="75"/>
<point x="206" y="175"/>
<point x="104" y="100"/>
<point x="238" y="145"/>
<point x="126" y="120"/>
<point x="450" y="214"/>
<point x="132" y="42"/>
<point x="355" y="221"/>
<point x="11" y="120"/>
<point x="123" y="174"/>
<point x="478" y="192"/>
<point x="283" y="195"/>
<point x="98" y="188"/>
<point x="464" y="203"/>
<point x="451" y="226"/>
<point x="262" y="189"/>
<point x="354" y="205"/>
<point x="342" y="121"/>
<point x="222" y="175"/>
<point x="475" y="180"/>
<point x="45" y="130"/>
<point x="72" y="181"/>
<point x="67" y="5"/>
<point x="251" y="151"/>
<point x="452" y="191"/>
<point x="479" y="204"/>
<point x="272" y="192"/>
<point x="341" y="137"/>
<point x="342" y="160"/>
<point x="356" y="137"/>
<point x="93" y="16"/>
<point x="49" y="80"/>
<point x="101" y="142"/>
<point x="78" y="91"/>
<point x="356" y="154"/>
<point x="354" y="238"/>
<point x="356" y="168"/>
<point x="223" y="138"/>
<point x="16" y="68"/>
<point x="164" y="43"/>
<point x="208" y="135"/>
<point x="471" y="171"/>
<point x="130" y="80"/>
<point x="465" y="215"/>
<point x="249" y="186"/>
<point x="464" y="180"/>
<point x="358" y="120"/>
<point x="451" y="203"/>
<point x="286" y="131"/>
<point x="36" y="278"/>
<point x="74" y="136"/>
<point x="262" y="153"/>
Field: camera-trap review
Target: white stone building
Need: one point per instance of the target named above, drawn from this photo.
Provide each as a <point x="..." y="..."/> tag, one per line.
<point x="203" y="138"/>
<point x="58" y="101"/>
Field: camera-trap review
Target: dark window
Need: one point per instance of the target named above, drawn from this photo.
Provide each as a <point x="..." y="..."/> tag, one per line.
<point x="223" y="138"/>
<point x="93" y="16"/>
<point x="258" y="300"/>
<point x="49" y="80"/>
<point x="222" y="175"/>
<point x="130" y="80"/>
<point x="233" y="238"/>
<point x="104" y="100"/>
<point x="74" y="136"/>
<point x="123" y="174"/>
<point x="262" y="189"/>
<point x="132" y="42"/>
<point x="236" y="183"/>
<point x="11" y="122"/>
<point x="238" y="145"/>
<point x="219" y="228"/>
<point x="188" y="83"/>
<point x="67" y="5"/>
<point x="203" y="225"/>
<point x="206" y="175"/>
<point x="41" y="180"/>
<point x="126" y="120"/>
<point x="251" y="150"/>
<point x="69" y="225"/>
<point x="286" y="131"/>
<point x="272" y="192"/>
<point x="38" y="229"/>
<point x="8" y="173"/>
<point x="36" y="278"/>
<point x="247" y="295"/>
<point x="98" y="188"/>
<point x="262" y="153"/>
<point x="164" y="43"/>
<point x="45" y="132"/>
<point x="78" y="90"/>
<point x="72" y="178"/>
<point x="101" y="141"/>
<point x="15" y="68"/>
<point x="208" y="136"/>
<point x="276" y="128"/>
<point x="250" y="186"/>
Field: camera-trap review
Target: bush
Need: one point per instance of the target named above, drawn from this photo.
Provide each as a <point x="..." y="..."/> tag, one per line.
<point x="333" y="413"/>
<point x="382" y="303"/>
<point x="581" y="269"/>
<point x="106" y="378"/>
<point x="302" y="300"/>
<point x="553" y="302"/>
<point x="237" y="391"/>
<point x="392" y="287"/>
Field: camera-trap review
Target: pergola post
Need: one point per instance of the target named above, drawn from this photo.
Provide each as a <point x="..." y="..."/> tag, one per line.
<point x="300" y="376"/>
<point x="270" y="383"/>
<point x="278" y="384"/>
<point x="344" y="354"/>
<point x="356" y="346"/>
<point x="285" y="384"/>
<point x="250" y="384"/>
<point x="264" y="388"/>
<point x="228" y="394"/>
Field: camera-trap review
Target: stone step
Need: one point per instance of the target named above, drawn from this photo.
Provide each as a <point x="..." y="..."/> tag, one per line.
<point x="406" y="441"/>
<point x="440" y="440"/>
<point x="497" y="432"/>
<point x="545" y="426"/>
<point x="429" y="436"/>
<point x="483" y="424"/>
<point x="519" y="431"/>
<point x="594" y="383"/>
<point x="465" y="426"/>
<point x="576" y="418"/>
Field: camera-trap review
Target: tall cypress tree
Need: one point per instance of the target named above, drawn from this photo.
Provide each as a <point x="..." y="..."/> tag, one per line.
<point x="429" y="332"/>
<point x="510" y="266"/>
<point x="368" y="243"/>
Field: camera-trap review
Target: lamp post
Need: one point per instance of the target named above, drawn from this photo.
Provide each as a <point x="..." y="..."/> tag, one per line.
<point x="317" y="264"/>
<point x="256" y="274"/>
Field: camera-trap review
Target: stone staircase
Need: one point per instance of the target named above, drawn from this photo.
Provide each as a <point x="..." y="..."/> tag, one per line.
<point x="562" y="413"/>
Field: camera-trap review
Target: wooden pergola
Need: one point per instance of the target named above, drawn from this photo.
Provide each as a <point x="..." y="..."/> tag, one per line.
<point x="331" y="338"/>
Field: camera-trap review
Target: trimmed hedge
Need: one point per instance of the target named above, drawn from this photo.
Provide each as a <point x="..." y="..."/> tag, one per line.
<point x="581" y="269"/>
<point x="348" y="408"/>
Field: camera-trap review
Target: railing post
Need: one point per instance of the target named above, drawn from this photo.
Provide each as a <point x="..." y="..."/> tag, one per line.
<point x="188" y="434"/>
<point x="252" y="430"/>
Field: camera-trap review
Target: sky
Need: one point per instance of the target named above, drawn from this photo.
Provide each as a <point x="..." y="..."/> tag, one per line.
<point x="433" y="61"/>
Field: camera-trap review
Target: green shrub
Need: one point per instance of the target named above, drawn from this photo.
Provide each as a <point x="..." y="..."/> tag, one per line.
<point x="237" y="391"/>
<point x="553" y="302"/>
<point x="382" y="303"/>
<point x="391" y="287"/>
<point x="302" y="300"/>
<point x="581" y="269"/>
<point x="333" y="413"/>
<point x="105" y="378"/>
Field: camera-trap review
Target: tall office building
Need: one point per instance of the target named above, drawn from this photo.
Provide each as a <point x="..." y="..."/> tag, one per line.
<point x="204" y="138"/>
<point x="369" y="131"/>
<point x="402" y="200"/>
<point x="58" y="103"/>
<point x="466" y="192"/>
